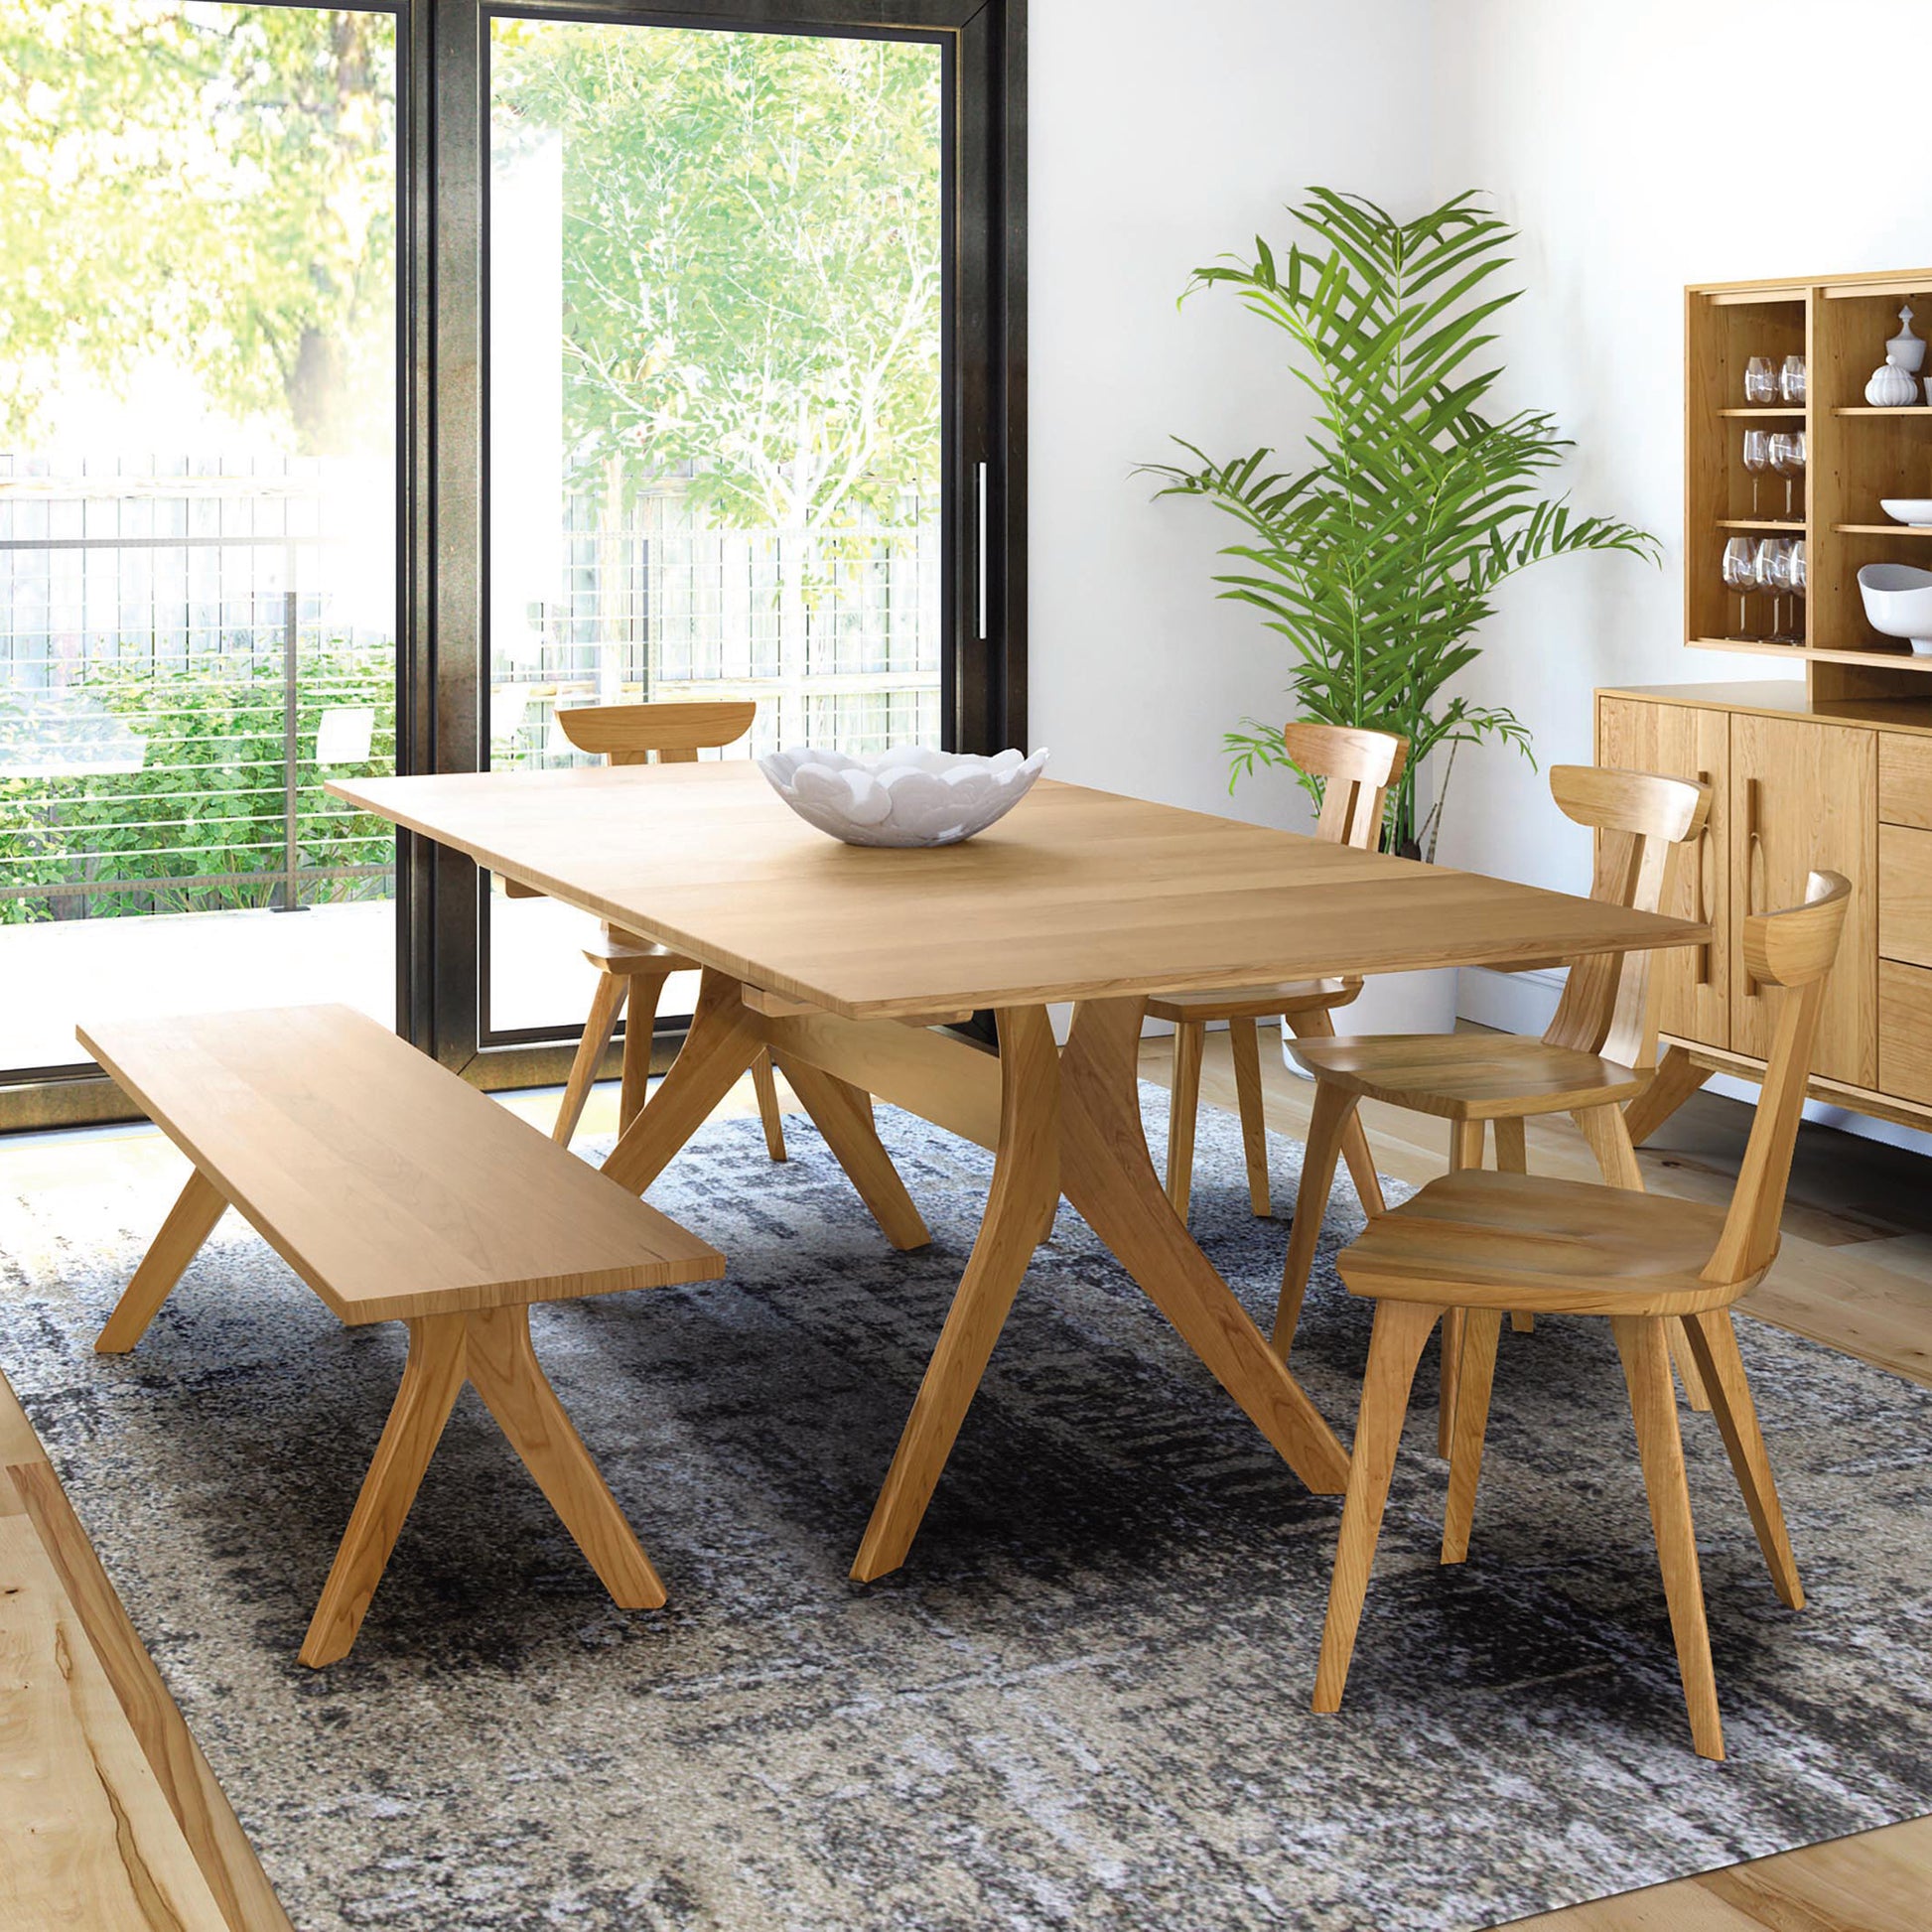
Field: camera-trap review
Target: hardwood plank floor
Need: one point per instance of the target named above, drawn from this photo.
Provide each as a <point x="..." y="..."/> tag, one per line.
<point x="1855" y="1273"/>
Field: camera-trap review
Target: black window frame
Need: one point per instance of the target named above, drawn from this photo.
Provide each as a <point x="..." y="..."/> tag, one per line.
<point x="443" y="960"/>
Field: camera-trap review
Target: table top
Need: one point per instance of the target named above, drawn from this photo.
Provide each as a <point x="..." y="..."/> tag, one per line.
<point x="1075" y="895"/>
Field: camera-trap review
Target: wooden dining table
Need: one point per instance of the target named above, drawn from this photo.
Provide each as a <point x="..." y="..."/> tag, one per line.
<point x="849" y="964"/>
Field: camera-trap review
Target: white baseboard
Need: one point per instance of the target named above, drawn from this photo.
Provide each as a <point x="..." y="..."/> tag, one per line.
<point x="1525" y="1002"/>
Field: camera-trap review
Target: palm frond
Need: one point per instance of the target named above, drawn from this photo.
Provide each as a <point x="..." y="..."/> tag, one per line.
<point x="1378" y="558"/>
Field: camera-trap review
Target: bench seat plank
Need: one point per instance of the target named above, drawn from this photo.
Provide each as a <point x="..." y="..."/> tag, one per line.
<point x="391" y="1187"/>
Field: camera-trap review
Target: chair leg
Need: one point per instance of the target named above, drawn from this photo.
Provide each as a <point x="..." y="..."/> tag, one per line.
<point x="431" y="1380"/>
<point x="1320" y="1025"/>
<point x="1641" y="1343"/>
<point x="765" y="1084"/>
<point x="639" y="1031"/>
<point x="1513" y="1157"/>
<point x="1333" y="1112"/>
<point x="1395" y="1347"/>
<point x="1714" y="1342"/>
<point x="190" y="1222"/>
<point x="1254" y="1115"/>
<point x="1474" y="1380"/>
<point x="605" y="1005"/>
<point x="1184" y="1102"/>
<point x="1677" y="1077"/>
<point x="1609" y="1140"/>
<point x="1465" y="1150"/>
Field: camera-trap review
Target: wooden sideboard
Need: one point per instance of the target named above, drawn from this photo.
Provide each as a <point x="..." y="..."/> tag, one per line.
<point x="1797" y="783"/>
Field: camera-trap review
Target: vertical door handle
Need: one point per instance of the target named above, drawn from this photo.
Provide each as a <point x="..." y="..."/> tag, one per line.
<point x="980" y="548"/>
<point x="1754" y="845"/>
<point x="1700" y="909"/>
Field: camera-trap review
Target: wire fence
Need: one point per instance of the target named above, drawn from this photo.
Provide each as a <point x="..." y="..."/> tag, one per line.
<point x="190" y="649"/>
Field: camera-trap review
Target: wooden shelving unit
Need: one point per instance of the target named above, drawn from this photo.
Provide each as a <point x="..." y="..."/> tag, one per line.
<point x="1855" y="456"/>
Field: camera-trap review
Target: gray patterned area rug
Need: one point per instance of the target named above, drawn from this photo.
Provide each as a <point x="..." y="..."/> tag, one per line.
<point x="1083" y="1702"/>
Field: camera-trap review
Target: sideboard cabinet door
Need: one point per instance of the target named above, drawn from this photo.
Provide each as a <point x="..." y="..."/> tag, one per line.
<point x="1684" y="742"/>
<point x="1804" y="797"/>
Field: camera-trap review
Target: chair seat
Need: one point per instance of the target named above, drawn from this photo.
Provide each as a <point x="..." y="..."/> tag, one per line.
<point x="1481" y="1239"/>
<point x="1254" y="1002"/>
<point x="1470" y="1076"/>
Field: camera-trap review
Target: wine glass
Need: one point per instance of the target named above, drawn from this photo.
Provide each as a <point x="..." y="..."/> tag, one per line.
<point x="1740" y="575"/>
<point x="1757" y="458"/>
<point x="1788" y="460"/>
<point x="1773" y="572"/>
<point x="1800" y="582"/>
<point x="1791" y="379"/>
<point x="1760" y="380"/>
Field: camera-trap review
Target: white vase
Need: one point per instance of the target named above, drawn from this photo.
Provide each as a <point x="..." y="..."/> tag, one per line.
<point x="1890" y="387"/>
<point x="1399" y="1003"/>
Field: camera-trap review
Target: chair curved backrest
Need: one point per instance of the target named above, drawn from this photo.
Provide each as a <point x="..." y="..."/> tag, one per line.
<point x="1793" y="949"/>
<point x="1357" y="767"/>
<point x="629" y="734"/>
<point x="1643" y="823"/>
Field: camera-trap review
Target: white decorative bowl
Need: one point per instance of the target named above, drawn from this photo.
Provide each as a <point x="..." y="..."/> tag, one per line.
<point x="907" y="797"/>
<point x="1899" y="602"/>
<point x="1915" y="511"/>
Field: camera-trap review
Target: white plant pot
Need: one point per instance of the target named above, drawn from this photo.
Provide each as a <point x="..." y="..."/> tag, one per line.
<point x="1398" y="1003"/>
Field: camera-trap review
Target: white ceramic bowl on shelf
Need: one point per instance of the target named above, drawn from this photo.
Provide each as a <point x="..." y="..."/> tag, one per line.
<point x="1915" y="511"/>
<point x="1899" y="602"/>
<point x="907" y="797"/>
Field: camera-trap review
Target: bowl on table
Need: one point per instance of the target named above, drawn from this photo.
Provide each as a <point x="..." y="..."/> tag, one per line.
<point x="1899" y="602"/>
<point x="1915" y="511"/>
<point x="907" y="797"/>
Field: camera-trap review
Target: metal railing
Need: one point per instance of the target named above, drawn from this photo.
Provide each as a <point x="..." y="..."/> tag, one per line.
<point x="180" y="670"/>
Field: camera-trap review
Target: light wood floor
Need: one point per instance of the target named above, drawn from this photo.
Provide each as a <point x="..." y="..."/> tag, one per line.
<point x="1855" y="1272"/>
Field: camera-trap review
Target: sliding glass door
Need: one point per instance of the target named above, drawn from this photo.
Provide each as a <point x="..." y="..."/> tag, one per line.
<point x="716" y="333"/>
<point x="377" y="381"/>
<point x="198" y="489"/>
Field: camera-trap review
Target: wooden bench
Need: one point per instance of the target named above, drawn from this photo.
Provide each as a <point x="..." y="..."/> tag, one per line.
<point x="113" y="1821"/>
<point x="398" y="1193"/>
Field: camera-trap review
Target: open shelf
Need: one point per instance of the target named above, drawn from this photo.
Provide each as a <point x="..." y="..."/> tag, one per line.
<point x="1900" y="659"/>
<point x="1893" y="409"/>
<point x="1751" y="646"/>
<point x="1794" y="411"/>
<point x="1793" y="527"/>
<point x="1883" y="529"/>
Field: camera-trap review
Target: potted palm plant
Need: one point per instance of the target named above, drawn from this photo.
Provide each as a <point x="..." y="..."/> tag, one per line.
<point x="1380" y="559"/>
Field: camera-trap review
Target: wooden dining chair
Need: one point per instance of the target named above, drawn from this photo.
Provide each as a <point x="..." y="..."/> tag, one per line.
<point x="631" y="969"/>
<point x="1597" y="1053"/>
<point x="1478" y="1242"/>
<point x="1357" y="768"/>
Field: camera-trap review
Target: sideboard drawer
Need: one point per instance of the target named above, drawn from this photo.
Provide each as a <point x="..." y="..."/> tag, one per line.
<point x="1905" y="894"/>
<point x="1904" y="779"/>
<point x="1905" y="1030"/>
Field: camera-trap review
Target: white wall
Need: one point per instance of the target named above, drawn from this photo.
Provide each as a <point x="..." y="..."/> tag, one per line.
<point x="1634" y="148"/>
<point x="1162" y="134"/>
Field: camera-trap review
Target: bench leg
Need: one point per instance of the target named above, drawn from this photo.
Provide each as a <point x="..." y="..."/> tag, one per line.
<point x="431" y="1380"/>
<point x="190" y="1222"/>
<point x="492" y="1348"/>
<point x="503" y="1365"/>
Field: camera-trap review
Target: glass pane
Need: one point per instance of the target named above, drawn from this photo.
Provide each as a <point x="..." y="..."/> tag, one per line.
<point x="197" y="509"/>
<point x="715" y="425"/>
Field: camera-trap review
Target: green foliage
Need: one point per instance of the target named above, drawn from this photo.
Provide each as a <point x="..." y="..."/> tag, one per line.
<point x="752" y="260"/>
<point x="209" y="797"/>
<point x="213" y="185"/>
<point x="1380" y="560"/>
